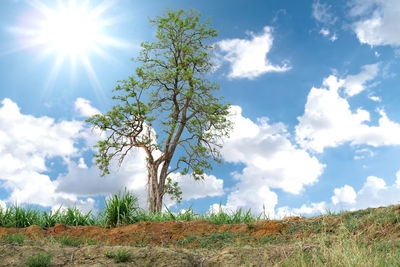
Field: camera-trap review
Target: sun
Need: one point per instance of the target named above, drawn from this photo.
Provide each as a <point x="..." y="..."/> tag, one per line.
<point x="72" y="29"/>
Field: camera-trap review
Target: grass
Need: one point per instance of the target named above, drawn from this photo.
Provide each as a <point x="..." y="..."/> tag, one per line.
<point x="120" y="256"/>
<point x="120" y="209"/>
<point x="13" y="238"/>
<point x="66" y="240"/>
<point x="361" y="238"/>
<point x="39" y="261"/>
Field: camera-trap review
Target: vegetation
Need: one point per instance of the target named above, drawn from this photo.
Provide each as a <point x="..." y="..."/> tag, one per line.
<point x="169" y="95"/>
<point x="13" y="238"/>
<point x="39" y="261"/>
<point x="66" y="240"/>
<point x="361" y="238"/>
<point x="120" y="256"/>
<point x="120" y="209"/>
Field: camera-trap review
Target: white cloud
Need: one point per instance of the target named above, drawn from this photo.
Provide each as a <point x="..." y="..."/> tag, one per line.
<point x="3" y="205"/>
<point x="248" y="58"/>
<point x="333" y="37"/>
<point x="345" y="194"/>
<point x="374" y="193"/>
<point x="321" y="12"/>
<point x="132" y="174"/>
<point x="268" y="153"/>
<point x="87" y="181"/>
<point x="314" y="208"/>
<point x="192" y="189"/>
<point x="328" y="121"/>
<point x="82" y="163"/>
<point x="28" y="142"/>
<point x="84" y="108"/>
<point x="324" y="32"/>
<point x="363" y="153"/>
<point x="378" y="21"/>
<point x="375" y="98"/>
<point x="271" y="161"/>
<point x="249" y="196"/>
<point x="355" y="84"/>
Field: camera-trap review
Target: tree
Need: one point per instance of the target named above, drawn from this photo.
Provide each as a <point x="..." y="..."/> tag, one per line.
<point x="171" y="94"/>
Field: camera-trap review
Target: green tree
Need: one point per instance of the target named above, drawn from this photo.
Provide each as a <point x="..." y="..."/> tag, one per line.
<point x="171" y="94"/>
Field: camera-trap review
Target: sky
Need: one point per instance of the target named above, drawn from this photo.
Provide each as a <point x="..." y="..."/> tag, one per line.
<point x="313" y="84"/>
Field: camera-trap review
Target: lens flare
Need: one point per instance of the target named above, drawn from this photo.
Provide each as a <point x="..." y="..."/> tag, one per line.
<point x="68" y="31"/>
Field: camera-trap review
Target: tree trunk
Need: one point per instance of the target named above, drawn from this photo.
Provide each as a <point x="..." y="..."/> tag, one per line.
<point x="154" y="194"/>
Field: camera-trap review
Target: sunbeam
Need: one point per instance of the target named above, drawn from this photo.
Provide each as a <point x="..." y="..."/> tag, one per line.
<point x="70" y="30"/>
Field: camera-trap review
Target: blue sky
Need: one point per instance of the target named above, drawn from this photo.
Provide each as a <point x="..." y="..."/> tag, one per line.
<point x="313" y="87"/>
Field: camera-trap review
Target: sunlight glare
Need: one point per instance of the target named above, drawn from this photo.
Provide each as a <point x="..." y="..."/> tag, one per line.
<point x="70" y="30"/>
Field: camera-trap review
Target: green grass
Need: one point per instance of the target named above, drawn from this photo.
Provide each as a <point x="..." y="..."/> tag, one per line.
<point x="91" y="242"/>
<point x="39" y="261"/>
<point x="120" y="256"/>
<point x="361" y="238"/>
<point x="13" y="238"/>
<point x="120" y="209"/>
<point x="66" y="240"/>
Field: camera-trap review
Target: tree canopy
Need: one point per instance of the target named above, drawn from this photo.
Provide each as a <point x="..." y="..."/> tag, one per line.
<point x="171" y="95"/>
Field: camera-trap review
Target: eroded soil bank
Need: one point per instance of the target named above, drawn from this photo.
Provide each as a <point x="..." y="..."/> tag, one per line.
<point x="94" y="255"/>
<point x="169" y="243"/>
<point x="323" y="240"/>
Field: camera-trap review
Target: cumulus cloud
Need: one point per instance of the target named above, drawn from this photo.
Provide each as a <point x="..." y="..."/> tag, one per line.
<point x="313" y="208"/>
<point x="192" y="189"/>
<point x="374" y="193"/>
<point x="28" y="143"/>
<point x="328" y="120"/>
<point x="377" y="21"/>
<point x="82" y="163"/>
<point x="271" y="161"/>
<point x="87" y="182"/>
<point x="256" y="197"/>
<point x="84" y="108"/>
<point x="355" y="84"/>
<point x="132" y="174"/>
<point x="248" y="58"/>
<point x="345" y="194"/>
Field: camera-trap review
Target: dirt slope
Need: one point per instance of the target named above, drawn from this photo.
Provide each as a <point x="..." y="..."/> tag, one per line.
<point x="148" y="244"/>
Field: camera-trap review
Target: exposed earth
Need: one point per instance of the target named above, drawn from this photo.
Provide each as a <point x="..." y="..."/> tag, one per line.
<point x="169" y="243"/>
<point x="202" y="243"/>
